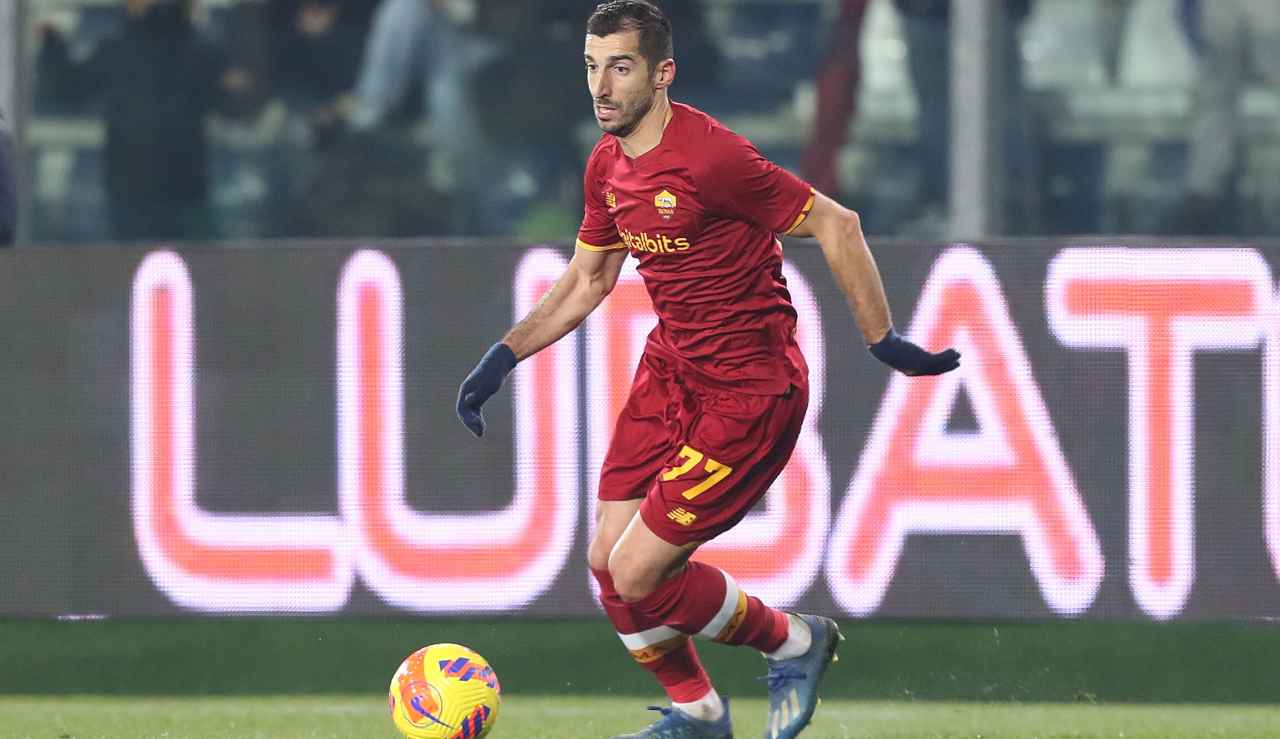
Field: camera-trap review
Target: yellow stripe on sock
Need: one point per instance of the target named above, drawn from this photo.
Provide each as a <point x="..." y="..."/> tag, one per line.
<point x="739" y="615"/>
<point x="657" y="651"/>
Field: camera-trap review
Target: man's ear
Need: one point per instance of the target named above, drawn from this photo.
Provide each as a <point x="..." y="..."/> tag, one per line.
<point x="664" y="74"/>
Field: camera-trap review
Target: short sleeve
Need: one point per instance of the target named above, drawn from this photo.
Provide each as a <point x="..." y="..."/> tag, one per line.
<point x="598" y="231"/>
<point x="742" y="184"/>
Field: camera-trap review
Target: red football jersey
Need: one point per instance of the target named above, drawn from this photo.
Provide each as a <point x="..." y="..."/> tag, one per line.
<point x="701" y="212"/>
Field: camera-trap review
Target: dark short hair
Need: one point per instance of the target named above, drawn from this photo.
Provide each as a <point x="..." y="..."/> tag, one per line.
<point x="617" y="16"/>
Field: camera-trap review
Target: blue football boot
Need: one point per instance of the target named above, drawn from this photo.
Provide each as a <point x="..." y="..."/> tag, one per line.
<point x="793" y="683"/>
<point x="675" y="724"/>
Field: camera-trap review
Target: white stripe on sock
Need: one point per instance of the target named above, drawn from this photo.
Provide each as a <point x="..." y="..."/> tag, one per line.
<point x="648" y="637"/>
<point x="717" y="624"/>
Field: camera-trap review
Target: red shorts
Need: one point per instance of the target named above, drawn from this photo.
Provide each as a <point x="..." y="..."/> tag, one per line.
<point x="700" y="458"/>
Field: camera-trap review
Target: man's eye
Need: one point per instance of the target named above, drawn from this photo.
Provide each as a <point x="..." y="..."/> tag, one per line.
<point x="621" y="69"/>
<point x="591" y="67"/>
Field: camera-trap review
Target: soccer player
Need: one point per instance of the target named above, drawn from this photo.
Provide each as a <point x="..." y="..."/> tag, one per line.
<point x="721" y="390"/>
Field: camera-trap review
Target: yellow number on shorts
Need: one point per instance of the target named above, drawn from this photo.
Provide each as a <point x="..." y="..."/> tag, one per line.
<point x="692" y="457"/>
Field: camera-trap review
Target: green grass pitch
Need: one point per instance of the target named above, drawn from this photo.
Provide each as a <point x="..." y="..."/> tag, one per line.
<point x="593" y="717"/>
<point x="570" y="678"/>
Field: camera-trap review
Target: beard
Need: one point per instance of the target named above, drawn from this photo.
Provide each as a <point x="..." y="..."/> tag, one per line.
<point x="629" y="115"/>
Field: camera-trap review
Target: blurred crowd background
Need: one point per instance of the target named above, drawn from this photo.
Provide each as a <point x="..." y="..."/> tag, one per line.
<point x="248" y="119"/>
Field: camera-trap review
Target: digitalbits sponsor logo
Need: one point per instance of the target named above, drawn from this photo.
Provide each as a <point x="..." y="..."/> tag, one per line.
<point x="654" y="244"/>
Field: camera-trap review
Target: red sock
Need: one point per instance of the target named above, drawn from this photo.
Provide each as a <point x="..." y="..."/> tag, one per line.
<point x="705" y="601"/>
<point x="660" y="649"/>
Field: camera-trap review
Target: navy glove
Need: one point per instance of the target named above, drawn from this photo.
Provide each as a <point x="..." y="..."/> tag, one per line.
<point x="482" y="383"/>
<point x="910" y="359"/>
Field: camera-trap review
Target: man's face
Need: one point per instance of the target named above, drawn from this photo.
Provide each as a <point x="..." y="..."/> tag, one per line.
<point x="620" y="81"/>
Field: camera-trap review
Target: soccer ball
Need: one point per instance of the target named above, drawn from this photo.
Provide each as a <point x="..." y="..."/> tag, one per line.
<point x="444" y="691"/>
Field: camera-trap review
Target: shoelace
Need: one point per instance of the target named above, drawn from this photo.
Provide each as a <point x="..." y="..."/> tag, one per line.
<point x="778" y="677"/>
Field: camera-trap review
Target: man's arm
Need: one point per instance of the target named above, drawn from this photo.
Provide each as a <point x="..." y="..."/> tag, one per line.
<point x="839" y="232"/>
<point x="589" y="277"/>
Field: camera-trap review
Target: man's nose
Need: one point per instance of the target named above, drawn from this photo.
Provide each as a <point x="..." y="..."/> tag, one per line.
<point x="600" y="86"/>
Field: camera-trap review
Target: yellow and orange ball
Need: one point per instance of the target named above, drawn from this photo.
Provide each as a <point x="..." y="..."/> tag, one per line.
<point x="444" y="691"/>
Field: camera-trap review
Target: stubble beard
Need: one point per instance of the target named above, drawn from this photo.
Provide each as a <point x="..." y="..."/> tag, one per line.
<point x="636" y="113"/>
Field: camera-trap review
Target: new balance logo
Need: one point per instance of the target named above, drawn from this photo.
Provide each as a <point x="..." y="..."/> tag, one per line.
<point x="682" y="517"/>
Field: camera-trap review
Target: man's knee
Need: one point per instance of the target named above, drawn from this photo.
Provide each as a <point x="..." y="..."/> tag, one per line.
<point x="599" y="549"/>
<point x="612" y="519"/>
<point x="633" y="579"/>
